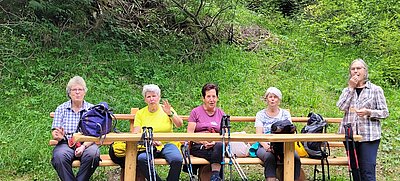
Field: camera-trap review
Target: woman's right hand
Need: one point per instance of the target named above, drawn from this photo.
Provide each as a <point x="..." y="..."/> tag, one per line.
<point x="353" y="81"/>
<point x="208" y="145"/>
<point x="58" y="134"/>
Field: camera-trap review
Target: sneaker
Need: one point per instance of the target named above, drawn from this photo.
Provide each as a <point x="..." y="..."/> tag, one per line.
<point x="215" y="178"/>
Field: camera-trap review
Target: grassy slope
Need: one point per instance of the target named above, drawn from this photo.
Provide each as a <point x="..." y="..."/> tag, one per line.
<point x="311" y="79"/>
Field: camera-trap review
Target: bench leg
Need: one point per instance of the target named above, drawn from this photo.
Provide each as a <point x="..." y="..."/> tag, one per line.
<point x="139" y="176"/>
<point x="204" y="173"/>
<point x="279" y="174"/>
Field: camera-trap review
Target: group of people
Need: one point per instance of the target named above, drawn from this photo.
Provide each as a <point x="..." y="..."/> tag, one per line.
<point x="363" y="103"/>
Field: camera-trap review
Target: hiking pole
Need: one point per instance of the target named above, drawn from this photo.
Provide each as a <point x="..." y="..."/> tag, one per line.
<point x="351" y="138"/>
<point x="232" y="159"/>
<point x="222" y="132"/>
<point x="186" y="159"/>
<point x="347" y="137"/>
<point x="151" y="140"/>
<point x="237" y="166"/>
<point x="228" y="127"/>
<point x="146" y="145"/>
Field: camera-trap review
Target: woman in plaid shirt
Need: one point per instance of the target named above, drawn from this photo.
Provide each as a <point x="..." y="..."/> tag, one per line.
<point x="364" y="105"/>
<point x="65" y="123"/>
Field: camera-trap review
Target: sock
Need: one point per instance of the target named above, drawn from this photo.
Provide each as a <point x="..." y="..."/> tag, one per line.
<point x="215" y="173"/>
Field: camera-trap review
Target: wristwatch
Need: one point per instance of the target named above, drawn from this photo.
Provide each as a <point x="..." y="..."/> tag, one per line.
<point x="171" y="115"/>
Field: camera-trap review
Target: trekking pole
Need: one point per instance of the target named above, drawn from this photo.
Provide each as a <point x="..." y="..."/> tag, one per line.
<point x="232" y="159"/>
<point x="347" y="132"/>
<point x="151" y="140"/>
<point x="237" y="167"/>
<point x="186" y="159"/>
<point x="228" y="127"/>
<point x="146" y="143"/>
<point x="354" y="151"/>
<point x="222" y="132"/>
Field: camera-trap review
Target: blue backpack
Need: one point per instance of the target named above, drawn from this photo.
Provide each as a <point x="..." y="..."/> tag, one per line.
<point x="97" y="121"/>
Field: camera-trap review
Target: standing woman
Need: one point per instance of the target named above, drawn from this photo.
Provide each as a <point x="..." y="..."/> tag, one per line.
<point x="206" y="118"/>
<point x="364" y="105"/>
<point x="264" y="120"/>
<point x="65" y="123"/>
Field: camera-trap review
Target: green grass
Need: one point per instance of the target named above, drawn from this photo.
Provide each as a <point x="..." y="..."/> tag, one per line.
<point x="310" y="73"/>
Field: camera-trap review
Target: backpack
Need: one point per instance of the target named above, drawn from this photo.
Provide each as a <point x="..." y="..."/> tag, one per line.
<point x="97" y="121"/>
<point x="315" y="124"/>
<point x="281" y="127"/>
<point x="317" y="150"/>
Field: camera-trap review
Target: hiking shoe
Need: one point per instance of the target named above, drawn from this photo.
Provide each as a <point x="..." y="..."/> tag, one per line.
<point x="215" y="178"/>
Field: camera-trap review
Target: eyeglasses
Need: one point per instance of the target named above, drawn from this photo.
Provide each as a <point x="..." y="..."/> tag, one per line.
<point x="356" y="68"/>
<point x="77" y="90"/>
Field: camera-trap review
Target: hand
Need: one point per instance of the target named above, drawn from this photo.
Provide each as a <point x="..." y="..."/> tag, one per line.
<point x="166" y="107"/>
<point x="363" y="112"/>
<point x="209" y="145"/>
<point x="58" y="134"/>
<point x="79" y="151"/>
<point x="157" y="143"/>
<point x="353" y="81"/>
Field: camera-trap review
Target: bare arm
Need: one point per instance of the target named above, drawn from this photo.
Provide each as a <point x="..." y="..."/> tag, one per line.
<point x="169" y="111"/>
<point x="266" y="145"/>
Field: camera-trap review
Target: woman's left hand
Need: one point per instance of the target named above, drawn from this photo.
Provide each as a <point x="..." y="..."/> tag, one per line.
<point x="79" y="151"/>
<point x="363" y="112"/>
<point x="166" y="107"/>
<point x="157" y="143"/>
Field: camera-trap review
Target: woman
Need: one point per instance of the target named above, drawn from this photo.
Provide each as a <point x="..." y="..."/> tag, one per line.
<point x="161" y="118"/>
<point x="206" y="118"/>
<point x="264" y="120"/>
<point x="364" y="105"/>
<point x="65" y="123"/>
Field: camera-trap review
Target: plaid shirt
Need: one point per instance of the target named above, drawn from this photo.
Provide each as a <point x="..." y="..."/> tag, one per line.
<point x="371" y="97"/>
<point x="66" y="118"/>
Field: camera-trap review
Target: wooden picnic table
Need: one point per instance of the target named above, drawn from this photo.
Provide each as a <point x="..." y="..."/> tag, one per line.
<point x="288" y="139"/>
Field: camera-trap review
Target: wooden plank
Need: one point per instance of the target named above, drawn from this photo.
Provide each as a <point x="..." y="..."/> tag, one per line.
<point x="232" y="118"/>
<point x="253" y="118"/>
<point x="216" y="137"/>
<point x="117" y="116"/>
<point x="246" y="161"/>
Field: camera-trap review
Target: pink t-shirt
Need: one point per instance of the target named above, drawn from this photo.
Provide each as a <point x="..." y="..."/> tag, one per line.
<point x="204" y="122"/>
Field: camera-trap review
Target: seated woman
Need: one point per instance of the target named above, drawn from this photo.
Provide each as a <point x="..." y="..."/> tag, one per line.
<point x="65" y="123"/>
<point x="161" y="118"/>
<point x="206" y="118"/>
<point x="264" y="120"/>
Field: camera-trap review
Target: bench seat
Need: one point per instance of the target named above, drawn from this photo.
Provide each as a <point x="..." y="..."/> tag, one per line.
<point x="106" y="161"/>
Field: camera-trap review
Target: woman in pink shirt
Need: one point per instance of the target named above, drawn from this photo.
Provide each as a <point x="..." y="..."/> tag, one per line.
<point x="206" y="118"/>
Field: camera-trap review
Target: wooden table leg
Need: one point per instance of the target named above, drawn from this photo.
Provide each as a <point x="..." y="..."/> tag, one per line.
<point x="130" y="161"/>
<point x="288" y="165"/>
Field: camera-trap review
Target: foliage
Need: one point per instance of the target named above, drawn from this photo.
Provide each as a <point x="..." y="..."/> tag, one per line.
<point x="305" y="55"/>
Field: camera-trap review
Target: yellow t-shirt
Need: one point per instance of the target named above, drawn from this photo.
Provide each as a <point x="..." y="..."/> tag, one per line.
<point x="159" y="121"/>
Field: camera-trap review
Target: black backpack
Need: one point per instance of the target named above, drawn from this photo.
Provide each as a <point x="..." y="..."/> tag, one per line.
<point x="281" y="127"/>
<point x="317" y="150"/>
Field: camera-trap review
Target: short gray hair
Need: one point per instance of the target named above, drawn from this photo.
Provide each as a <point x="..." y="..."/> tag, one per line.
<point x="151" y="88"/>
<point x="273" y="90"/>
<point x="365" y="67"/>
<point x="77" y="80"/>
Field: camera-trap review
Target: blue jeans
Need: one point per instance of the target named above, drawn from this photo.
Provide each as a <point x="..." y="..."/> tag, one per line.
<point x="62" y="159"/>
<point x="171" y="154"/>
<point x="366" y="156"/>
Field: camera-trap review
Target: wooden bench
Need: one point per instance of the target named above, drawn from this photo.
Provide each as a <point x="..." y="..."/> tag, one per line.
<point x="333" y="160"/>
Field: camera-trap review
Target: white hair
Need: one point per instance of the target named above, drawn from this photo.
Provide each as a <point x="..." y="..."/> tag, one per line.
<point x="151" y="88"/>
<point x="77" y="80"/>
<point x="275" y="91"/>
<point x="365" y="67"/>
